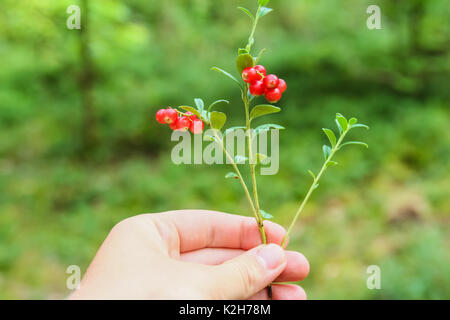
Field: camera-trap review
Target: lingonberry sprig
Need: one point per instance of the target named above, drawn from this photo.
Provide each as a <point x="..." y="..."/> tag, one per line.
<point x="255" y="83"/>
<point x="344" y="126"/>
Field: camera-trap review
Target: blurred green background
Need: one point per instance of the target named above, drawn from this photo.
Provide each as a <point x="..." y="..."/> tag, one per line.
<point x="80" y="149"/>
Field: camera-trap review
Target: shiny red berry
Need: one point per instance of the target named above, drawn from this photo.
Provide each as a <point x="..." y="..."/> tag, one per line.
<point x="260" y="69"/>
<point x="170" y="116"/>
<point x="160" y="115"/>
<point x="257" y="88"/>
<point x="183" y="123"/>
<point x="273" y="95"/>
<point x="174" y="125"/>
<point x="271" y="81"/>
<point x="249" y="75"/>
<point x="197" y="126"/>
<point x="282" y="85"/>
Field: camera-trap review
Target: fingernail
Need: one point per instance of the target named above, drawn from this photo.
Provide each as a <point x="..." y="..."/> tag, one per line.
<point x="271" y="255"/>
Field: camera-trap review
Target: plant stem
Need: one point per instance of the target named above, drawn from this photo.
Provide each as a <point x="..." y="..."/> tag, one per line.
<point x="259" y="218"/>
<point x="238" y="172"/>
<point x="313" y="185"/>
<point x="255" y="22"/>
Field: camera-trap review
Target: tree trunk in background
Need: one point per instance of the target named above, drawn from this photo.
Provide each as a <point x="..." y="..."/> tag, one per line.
<point x="86" y="84"/>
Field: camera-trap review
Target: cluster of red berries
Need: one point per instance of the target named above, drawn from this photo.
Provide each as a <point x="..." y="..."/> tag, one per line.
<point x="261" y="84"/>
<point x="184" y="122"/>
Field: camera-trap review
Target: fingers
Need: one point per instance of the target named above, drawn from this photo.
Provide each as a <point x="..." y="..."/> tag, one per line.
<point x="210" y="256"/>
<point x="208" y="229"/>
<point x="297" y="267"/>
<point x="282" y="292"/>
<point x="246" y="274"/>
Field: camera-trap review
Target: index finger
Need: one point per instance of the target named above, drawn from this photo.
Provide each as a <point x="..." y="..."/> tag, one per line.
<point x="198" y="229"/>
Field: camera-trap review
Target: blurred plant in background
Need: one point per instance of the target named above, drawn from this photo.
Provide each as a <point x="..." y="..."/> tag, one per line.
<point x="79" y="149"/>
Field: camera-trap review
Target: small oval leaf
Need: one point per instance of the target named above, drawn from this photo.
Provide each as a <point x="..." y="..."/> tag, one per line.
<point x="247" y="12"/>
<point x="199" y="103"/>
<point x="262" y="158"/>
<point x="264" y="11"/>
<point x="263" y="109"/>
<point x="352" y="121"/>
<point x="360" y="125"/>
<point x="192" y="110"/>
<point x="331" y="163"/>
<point x="342" y="121"/>
<point x="230" y="175"/>
<point x="230" y="130"/>
<point x="355" y="142"/>
<point x="244" y="61"/>
<point x="227" y="74"/>
<point x="217" y="102"/>
<point x="326" y="151"/>
<point x="265" y="214"/>
<point x="217" y="119"/>
<point x="331" y="136"/>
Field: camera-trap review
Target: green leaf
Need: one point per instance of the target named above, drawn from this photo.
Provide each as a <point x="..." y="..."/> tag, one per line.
<point x="264" y="11"/>
<point x="262" y="158"/>
<point x="339" y="126"/>
<point x="238" y="159"/>
<point x="217" y="102"/>
<point x="331" y="136"/>
<point x="200" y="104"/>
<point x="262" y="110"/>
<point x="260" y="55"/>
<point x="230" y="130"/>
<point x="360" y="125"/>
<point x="262" y="3"/>
<point x="244" y="61"/>
<point x="355" y="142"/>
<point x="247" y="12"/>
<point x="342" y="121"/>
<point x="331" y="163"/>
<point x="242" y="51"/>
<point x="227" y="74"/>
<point x="192" y="110"/>
<point x="326" y="151"/>
<point x="217" y="119"/>
<point x="312" y="174"/>
<point x="316" y="186"/>
<point x="352" y="121"/>
<point x="230" y="175"/>
<point x="265" y="214"/>
<point x="267" y="127"/>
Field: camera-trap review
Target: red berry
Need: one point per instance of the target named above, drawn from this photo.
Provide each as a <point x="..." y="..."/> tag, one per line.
<point x="257" y="88"/>
<point x="259" y="68"/>
<point x="160" y="115"/>
<point x="249" y="75"/>
<point x="170" y="116"/>
<point x="282" y="86"/>
<point x="271" y="81"/>
<point x="273" y="95"/>
<point x="191" y="116"/>
<point x="183" y="123"/>
<point x="174" y="125"/>
<point x="197" y="126"/>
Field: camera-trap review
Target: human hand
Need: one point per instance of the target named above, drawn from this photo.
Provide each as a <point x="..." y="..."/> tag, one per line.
<point x="192" y="254"/>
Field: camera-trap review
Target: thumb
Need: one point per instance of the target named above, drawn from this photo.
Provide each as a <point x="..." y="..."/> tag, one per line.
<point x="247" y="274"/>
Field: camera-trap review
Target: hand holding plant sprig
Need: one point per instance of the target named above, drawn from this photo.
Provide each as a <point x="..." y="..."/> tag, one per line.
<point x="256" y="82"/>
